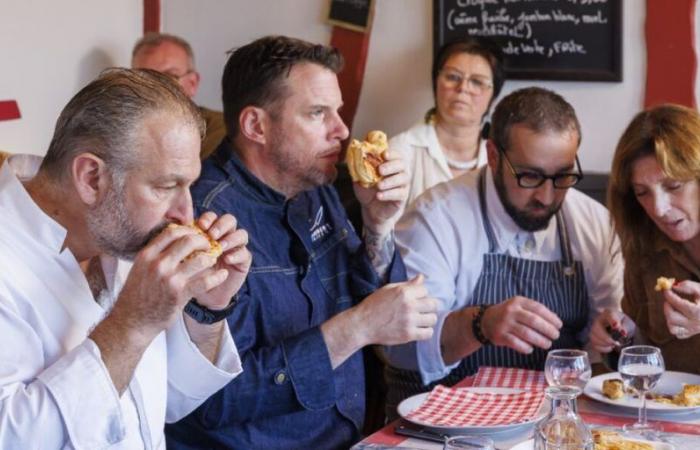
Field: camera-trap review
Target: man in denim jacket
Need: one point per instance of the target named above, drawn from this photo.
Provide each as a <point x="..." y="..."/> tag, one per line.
<point x="312" y="299"/>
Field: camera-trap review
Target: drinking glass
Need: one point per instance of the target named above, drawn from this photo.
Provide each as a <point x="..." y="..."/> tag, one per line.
<point x="641" y="367"/>
<point x="567" y="367"/>
<point x="562" y="428"/>
<point x="469" y="443"/>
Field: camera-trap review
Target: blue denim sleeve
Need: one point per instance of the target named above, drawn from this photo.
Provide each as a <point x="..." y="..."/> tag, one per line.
<point x="277" y="380"/>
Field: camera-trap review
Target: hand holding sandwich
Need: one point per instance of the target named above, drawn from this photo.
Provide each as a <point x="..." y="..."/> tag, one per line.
<point x="381" y="181"/>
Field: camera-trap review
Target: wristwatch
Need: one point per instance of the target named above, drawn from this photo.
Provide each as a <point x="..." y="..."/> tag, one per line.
<point x="207" y="316"/>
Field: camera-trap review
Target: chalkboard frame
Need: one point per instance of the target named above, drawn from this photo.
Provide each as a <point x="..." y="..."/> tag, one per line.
<point x="611" y="73"/>
<point x="345" y="22"/>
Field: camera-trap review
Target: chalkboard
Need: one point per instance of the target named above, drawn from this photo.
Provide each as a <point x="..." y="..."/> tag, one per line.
<point x="353" y="14"/>
<point x="541" y="39"/>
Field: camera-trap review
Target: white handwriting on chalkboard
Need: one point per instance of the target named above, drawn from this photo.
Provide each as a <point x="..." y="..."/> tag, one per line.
<point x="569" y="46"/>
<point x="594" y="18"/>
<point x="480" y="3"/>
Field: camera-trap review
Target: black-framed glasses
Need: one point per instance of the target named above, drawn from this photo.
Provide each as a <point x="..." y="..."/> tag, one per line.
<point x="533" y="180"/>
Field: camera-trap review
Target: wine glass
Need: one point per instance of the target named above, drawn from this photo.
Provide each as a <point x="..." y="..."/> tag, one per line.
<point x="641" y="367"/>
<point x="469" y="443"/>
<point x="567" y="367"/>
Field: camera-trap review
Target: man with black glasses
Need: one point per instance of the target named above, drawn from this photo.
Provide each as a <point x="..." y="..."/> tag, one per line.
<point x="520" y="262"/>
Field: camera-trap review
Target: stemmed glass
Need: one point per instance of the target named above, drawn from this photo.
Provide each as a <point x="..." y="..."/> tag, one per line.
<point x="567" y="367"/>
<point x="641" y="367"/>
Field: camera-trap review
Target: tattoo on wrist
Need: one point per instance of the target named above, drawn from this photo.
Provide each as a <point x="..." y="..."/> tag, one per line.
<point x="380" y="250"/>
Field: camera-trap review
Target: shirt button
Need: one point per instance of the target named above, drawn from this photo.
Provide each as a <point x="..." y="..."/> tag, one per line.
<point x="280" y="377"/>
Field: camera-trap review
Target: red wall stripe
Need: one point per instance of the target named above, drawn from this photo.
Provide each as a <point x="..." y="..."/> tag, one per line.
<point x="9" y="110"/>
<point x="671" y="60"/>
<point x="354" y="46"/>
<point x="151" y="16"/>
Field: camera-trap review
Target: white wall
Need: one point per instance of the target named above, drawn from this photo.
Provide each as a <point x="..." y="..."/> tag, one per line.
<point x="213" y="27"/>
<point x="396" y="90"/>
<point x="50" y="49"/>
<point x="57" y="47"/>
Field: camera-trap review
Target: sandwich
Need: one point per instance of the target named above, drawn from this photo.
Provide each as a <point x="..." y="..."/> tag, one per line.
<point x="364" y="158"/>
<point x="215" y="249"/>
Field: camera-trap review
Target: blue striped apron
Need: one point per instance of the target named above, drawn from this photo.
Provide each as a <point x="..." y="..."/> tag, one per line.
<point x="559" y="285"/>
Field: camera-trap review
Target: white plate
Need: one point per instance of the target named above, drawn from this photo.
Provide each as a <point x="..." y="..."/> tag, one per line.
<point x="412" y="403"/>
<point x="530" y="445"/>
<point x="671" y="383"/>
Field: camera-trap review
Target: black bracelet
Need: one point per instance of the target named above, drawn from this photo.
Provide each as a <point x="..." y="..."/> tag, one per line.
<point x="207" y="316"/>
<point x="476" y="325"/>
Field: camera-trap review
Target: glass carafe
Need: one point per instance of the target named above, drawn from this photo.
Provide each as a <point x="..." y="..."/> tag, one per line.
<point x="562" y="428"/>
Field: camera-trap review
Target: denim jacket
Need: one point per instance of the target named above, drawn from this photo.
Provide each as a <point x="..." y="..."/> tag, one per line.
<point x="308" y="265"/>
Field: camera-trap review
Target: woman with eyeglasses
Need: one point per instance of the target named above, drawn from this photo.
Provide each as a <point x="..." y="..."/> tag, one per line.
<point x="654" y="201"/>
<point x="467" y="76"/>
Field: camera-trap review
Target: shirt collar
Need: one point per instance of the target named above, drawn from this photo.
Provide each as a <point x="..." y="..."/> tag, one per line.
<point x="506" y="231"/>
<point x="20" y="206"/>
<point x="227" y="157"/>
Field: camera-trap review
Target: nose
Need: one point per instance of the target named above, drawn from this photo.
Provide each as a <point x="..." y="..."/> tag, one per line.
<point x="545" y="193"/>
<point x="660" y="204"/>
<point x="181" y="210"/>
<point x="340" y="130"/>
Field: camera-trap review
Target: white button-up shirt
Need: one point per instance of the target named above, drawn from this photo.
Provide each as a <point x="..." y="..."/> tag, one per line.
<point x="443" y="237"/>
<point x="55" y="391"/>
<point x="425" y="161"/>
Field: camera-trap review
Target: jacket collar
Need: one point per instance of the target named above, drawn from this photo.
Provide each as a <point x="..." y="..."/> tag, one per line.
<point x="226" y="157"/>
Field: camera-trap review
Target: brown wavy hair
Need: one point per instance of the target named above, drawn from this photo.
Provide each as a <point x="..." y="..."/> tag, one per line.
<point x="669" y="132"/>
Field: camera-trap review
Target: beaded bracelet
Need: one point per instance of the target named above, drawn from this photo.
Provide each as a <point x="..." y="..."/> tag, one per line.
<point x="476" y="325"/>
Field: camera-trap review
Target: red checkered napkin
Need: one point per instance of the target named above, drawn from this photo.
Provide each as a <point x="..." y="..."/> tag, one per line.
<point x="510" y="377"/>
<point x="461" y="407"/>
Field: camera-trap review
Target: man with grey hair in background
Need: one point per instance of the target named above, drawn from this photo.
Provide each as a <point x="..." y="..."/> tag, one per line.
<point x="173" y="56"/>
<point x="97" y="352"/>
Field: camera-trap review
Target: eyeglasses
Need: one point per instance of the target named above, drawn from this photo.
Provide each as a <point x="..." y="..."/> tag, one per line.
<point x="532" y="180"/>
<point x="475" y="84"/>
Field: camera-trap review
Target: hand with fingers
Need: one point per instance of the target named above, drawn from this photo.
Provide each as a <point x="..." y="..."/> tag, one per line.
<point x="682" y="309"/>
<point x="522" y="324"/>
<point x="398" y="313"/>
<point x="610" y="329"/>
<point x="383" y="203"/>
<point x="231" y="267"/>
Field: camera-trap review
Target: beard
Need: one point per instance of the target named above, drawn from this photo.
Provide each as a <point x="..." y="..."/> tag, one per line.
<point x="296" y="171"/>
<point x="113" y="230"/>
<point x="523" y="217"/>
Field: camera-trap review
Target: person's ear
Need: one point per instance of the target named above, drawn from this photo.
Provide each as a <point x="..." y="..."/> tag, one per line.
<point x="192" y="83"/>
<point x="254" y="124"/>
<point x="492" y="155"/>
<point x="90" y="177"/>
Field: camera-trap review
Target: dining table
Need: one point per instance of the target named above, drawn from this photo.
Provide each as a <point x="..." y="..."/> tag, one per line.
<point x="680" y="429"/>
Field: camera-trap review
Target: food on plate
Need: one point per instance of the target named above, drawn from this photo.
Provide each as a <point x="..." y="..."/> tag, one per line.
<point x="664" y="284"/>
<point x="613" y="388"/>
<point x="215" y="249"/>
<point x="364" y="158"/>
<point x="689" y="396"/>
<point x="611" y="440"/>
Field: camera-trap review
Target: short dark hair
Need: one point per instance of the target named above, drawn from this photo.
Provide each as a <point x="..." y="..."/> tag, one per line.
<point x="103" y="118"/>
<point x="153" y="39"/>
<point x="481" y="46"/>
<point x="536" y="108"/>
<point x="255" y="73"/>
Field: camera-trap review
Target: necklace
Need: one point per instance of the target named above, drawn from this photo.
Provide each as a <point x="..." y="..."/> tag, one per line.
<point x="462" y="165"/>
